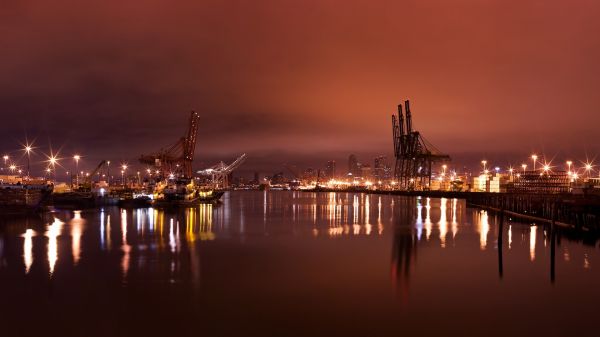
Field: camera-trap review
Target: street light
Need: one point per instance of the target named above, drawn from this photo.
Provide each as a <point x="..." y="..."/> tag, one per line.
<point x="588" y="168"/>
<point x="534" y="158"/>
<point x="524" y="166"/>
<point x="77" y="157"/>
<point x="108" y="172"/>
<point x="484" y="162"/>
<point x="569" y="163"/>
<point x="53" y="161"/>
<point x="124" y="168"/>
<point x="28" y="148"/>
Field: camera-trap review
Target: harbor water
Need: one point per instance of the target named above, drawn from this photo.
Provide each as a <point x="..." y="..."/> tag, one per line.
<point x="281" y="263"/>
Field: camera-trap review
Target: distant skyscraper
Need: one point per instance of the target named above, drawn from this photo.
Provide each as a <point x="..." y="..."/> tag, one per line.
<point x="365" y="171"/>
<point x="354" y="166"/>
<point x="330" y="169"/>
<point x="381" y="168"/>
<point x="309" y="174"/>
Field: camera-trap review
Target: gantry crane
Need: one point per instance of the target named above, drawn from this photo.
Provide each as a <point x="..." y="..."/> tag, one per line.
<point x="178" y="158"/>
<point x="414" y="155"/>
<point x="220" y="172"/>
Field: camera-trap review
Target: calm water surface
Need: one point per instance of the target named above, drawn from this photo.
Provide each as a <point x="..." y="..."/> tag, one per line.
<point x="295" y="264"/>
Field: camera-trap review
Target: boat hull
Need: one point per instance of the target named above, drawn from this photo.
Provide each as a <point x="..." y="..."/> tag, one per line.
<point x="209" y="199"/>
<point x="22" y="200"/>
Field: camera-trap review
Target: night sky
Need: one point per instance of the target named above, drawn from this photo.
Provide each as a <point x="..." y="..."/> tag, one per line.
<point x="300" y="81"/>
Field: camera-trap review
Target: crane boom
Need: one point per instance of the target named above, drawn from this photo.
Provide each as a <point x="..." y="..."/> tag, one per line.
<point x="179" y="156"/>
<point x="190" y="144"/>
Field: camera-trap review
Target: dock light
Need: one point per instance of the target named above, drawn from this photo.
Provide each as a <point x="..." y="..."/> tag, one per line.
<point x="484" y="162"/>
<point x="53" y="160"/>
<point x="534" y="157"/>
<point x="569" y="163"/>
<point x="76" y="158"/>
<point x="13" y="167"/>
<point x="524" y="166"/>
<point x="497" y="169"/>
<point x="28" y="148"/>
<point x="588" y="168"/>
<point x="546" y="167"/>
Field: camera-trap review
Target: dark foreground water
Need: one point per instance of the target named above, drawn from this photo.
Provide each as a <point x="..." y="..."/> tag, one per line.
<point x="295" y="264"/>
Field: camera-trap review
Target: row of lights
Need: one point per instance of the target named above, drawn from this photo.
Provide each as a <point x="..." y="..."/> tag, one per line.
<point x="545" y="168"/>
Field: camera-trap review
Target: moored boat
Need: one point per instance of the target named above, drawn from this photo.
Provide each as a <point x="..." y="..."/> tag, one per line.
<point x="182" y="192"/>
<point x="23" y="197"/>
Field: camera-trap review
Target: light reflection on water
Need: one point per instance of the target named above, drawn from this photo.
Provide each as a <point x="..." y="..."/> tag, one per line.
<point x="28" y="249"/>
<point x="53" y="231"/>
<point x="328" y="214"/>
<point x="201" y="248"/>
